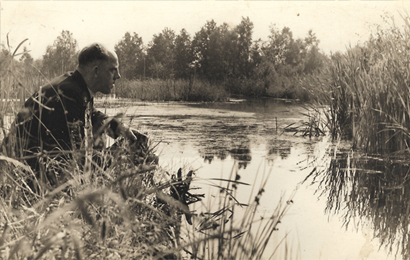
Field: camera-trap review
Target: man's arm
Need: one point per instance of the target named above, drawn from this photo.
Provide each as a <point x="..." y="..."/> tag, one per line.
<point x="115" y="127"/>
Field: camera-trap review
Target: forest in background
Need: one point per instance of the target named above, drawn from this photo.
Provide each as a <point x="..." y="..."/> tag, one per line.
<point x="214" y="63"/>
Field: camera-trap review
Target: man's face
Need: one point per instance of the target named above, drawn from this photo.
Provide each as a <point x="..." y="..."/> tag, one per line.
<point x="108" y="73"/>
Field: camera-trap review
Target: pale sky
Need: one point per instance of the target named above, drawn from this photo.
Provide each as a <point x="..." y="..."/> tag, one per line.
<point x="336" y="24"/>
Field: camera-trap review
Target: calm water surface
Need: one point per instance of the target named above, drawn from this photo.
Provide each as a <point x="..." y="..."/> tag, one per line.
<point x="212" y="138"/>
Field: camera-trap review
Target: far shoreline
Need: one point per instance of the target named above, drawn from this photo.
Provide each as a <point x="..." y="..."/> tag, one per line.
<point x="110" y="101"/>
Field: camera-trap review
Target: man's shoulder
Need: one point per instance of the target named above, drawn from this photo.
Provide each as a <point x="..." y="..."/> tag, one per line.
<point x="70" y="83"/>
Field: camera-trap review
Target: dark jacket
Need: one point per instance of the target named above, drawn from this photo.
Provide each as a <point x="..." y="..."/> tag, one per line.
<point x="53" y="119"/>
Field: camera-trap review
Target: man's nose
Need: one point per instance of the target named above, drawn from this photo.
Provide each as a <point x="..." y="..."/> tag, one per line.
<point x="117" y="75"/>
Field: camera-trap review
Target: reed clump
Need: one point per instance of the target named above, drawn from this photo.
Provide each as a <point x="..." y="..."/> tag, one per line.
<point x="365" y="97"/>
<point x="367" y="91"/>
<point x="230" y="229"/>
<point x="111" y="211"/>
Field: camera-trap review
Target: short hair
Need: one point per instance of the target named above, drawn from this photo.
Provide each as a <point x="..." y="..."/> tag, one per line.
<point x="91" y="53"/>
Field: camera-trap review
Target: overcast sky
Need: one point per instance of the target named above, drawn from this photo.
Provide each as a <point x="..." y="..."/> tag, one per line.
<point x="336" y="24"/>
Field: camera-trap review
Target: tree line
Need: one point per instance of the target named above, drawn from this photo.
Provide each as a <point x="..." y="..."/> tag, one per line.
<point x="218" y="54"/>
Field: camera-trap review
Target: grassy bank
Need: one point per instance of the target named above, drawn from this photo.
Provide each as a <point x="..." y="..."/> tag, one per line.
<point x="367" y="91"/>
<point x="170" y="90"/>
<point x="201" y="90"/>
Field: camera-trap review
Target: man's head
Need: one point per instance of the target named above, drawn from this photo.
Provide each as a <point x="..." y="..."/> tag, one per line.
<point x="99" y="68"/>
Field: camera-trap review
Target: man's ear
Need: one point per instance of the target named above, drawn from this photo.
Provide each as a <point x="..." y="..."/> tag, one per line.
<point x="95" y="71"/>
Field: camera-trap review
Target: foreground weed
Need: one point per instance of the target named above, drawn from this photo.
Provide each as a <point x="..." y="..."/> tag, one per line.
<point x="118" y="212"/>
<point x="234" y="230"/>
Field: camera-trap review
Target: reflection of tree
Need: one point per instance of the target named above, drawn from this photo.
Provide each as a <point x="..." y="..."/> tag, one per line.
<point x="279" y="147"/>
<point x="237" y="146"/>
<point x="208" y="158"/>
<point x="242" y="154"/>
<point x="210" y="152"/>
<point x="371" y="189"/>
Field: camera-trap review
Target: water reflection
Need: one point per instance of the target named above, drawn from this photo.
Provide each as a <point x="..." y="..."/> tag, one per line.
<point x="238" y="150"/>
<point x="242" y="155"/>
<point x="209" y="153"/>
<point x="368" y="189"/>
<point x="210" y="137"/>
<point x="262" y="107"/>
<point x="278" y="147"/>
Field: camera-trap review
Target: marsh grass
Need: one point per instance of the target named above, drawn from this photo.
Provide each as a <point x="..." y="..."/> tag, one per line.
<point x="203" y="90"/>
<point x="170" y="90"/>
<point x="126" y="212"/>
<point x="366" y="96"/>
<point x="17" y="81"/>
<point x="108" y="212"/>
<point x="367" y="91"/>
<point x="230" y="229"/>
<point x="314" y="125"/>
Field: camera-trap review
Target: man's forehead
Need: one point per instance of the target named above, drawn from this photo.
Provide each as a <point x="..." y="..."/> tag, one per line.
<point x="112" y="57"/>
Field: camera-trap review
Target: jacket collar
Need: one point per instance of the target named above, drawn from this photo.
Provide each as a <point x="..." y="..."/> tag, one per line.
<point x="87" y="94"/>
<point x="79" y="78"/>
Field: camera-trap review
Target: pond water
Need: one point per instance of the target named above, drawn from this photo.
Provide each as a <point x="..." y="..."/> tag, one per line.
<point x="249" y="135"/>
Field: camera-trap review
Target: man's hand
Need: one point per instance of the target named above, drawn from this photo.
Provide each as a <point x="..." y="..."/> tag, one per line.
<point x="127" y="132"/>
<point x="180" y="191"/>
<point x="138" y="144"/>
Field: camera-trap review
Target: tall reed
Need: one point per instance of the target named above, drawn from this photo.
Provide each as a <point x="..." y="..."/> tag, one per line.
<point x="236" y="230"/>
<point x="119" y="211"/>
<point x="17" y="81"/>
<point x="367" y="91"/>
<point x="365" y="94"/>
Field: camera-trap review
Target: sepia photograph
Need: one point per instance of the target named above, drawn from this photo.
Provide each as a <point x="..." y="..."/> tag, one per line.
<point x="205" y="130"/>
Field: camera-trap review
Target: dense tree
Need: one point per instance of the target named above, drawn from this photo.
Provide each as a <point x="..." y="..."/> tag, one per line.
<point x="220" y="54"/>
<point x="204" y="47"/>
<point x="244" y="31"/>
<point x="160" y="54"/>
<point x="184" y="57"/>
<point x="255" y="55"/>
<point x="61" y="56"/>
<point x="278" y="45"/>
<point x="229" y="52"/>
<point x="293" y="57"/>
<point x="215" y="50"/>
<point x="314" y="59"/>
<point x="130" y="51"/>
